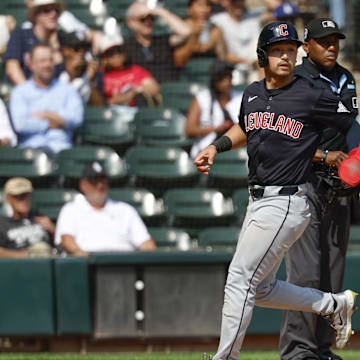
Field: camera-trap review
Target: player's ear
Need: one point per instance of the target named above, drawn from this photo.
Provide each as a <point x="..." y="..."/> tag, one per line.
<point x="305" y="46"/>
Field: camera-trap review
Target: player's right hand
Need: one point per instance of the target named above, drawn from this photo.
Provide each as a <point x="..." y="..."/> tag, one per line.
<point x="205" y="159"/>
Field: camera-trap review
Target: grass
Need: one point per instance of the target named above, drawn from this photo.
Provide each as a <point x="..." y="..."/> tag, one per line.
<point x="246" y="355"/>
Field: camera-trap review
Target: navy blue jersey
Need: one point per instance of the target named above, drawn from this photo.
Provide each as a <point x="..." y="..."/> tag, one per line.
<point x="345" y="87"/>
<point x="284" y="126"/>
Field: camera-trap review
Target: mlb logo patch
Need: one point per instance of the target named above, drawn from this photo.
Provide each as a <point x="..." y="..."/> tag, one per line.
<point x="355" y="103"/>
<point x="328" y="23"/>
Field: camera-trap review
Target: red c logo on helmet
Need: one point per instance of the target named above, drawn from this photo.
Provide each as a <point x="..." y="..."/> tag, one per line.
<point x="283" y="29"/>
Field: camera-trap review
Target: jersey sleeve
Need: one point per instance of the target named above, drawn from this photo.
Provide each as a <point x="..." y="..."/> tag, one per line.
<point x="329" y="111"/>
<point x="142" y="73"/>
<point x="65" y="223"/>
<point x="137" y="229"/>
<point x="242" y="114"/>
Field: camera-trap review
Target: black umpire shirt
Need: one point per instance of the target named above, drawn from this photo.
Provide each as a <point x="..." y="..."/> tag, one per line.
<point x="342" y="84"/>
<point x="284" y="126"/>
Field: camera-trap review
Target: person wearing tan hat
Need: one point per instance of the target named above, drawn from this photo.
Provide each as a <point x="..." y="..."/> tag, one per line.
<point x="122" y="82"/>
<point x="44" y="15"/>
<point x="23" y="229"/>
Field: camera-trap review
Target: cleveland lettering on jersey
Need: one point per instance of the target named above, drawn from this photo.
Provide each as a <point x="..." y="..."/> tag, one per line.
<point x="265" y="120"/>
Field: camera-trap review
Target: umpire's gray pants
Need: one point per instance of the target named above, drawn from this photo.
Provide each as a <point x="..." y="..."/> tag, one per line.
<point x="272" y="224"/>
<point x="316" y="260"/>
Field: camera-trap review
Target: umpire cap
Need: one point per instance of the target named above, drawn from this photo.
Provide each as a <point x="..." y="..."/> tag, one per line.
<point x="322" y="27"/>
<point x="273" y="33"/>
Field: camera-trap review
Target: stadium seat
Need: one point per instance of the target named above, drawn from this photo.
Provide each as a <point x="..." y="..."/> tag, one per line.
<point x="196" y="208"/>
<point x="179" y="7"/>
<point x="149" y="208"/>
<point x="75" y="4"/>
<point x="84" y="14"/>
<point x="240" y="199"/>
<point x="219" y="238"/>
<point x="179" y="94"/>
<point x="161" y="127"/>
<point x="160" y="168"/>
<point x="70" y="164"/>
<point x="229" y="170"/>
<point x="197" y="70"/>
<point x="48" y="202"/>
<point x="171" y="238"/>
<point x="105" y="126"/>
<point x="30" y="163"/>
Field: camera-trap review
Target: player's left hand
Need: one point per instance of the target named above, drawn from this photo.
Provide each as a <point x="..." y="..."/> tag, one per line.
<point x="335" y="158"/>
<point x="205" y="159"/>
<point x="349" y="170"/>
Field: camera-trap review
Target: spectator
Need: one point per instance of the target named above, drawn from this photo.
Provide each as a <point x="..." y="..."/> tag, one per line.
<point x="240" y="31"/>
<point x="7" y="25"/>
<point x="77" y="71"/>
<point x="95" y="223"/>
<point x="213" y="111"/>
<point x="122" y="82"/>
<point x="268" y="12"/>
<point x="155" y="52"/>
<point x="44" y="16"/>
<point x="24" y="229"/>
<point x="45" y="111"/>
<point x="218" y="6"/>
<point x="69" y="23"/>
<point x="7" y="135"/>
<point x="205" y="39"/>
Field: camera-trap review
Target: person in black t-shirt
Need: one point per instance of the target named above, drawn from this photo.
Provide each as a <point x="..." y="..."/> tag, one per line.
<point x="156" y="53"/>
<point x="23" y="229"/>
<point x="281" y="121"/>
<point x="317" y="259"/>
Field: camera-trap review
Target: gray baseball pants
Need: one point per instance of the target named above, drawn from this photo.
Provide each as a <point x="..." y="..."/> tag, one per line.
<point x="272" y="224"/>
<point x="316" y="260"/>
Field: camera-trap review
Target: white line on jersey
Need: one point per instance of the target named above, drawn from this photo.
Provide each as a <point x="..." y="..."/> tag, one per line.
<point x="251" y="98"/>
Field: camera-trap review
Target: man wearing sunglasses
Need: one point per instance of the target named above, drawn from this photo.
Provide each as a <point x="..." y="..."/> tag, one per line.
<point x="44" y="15"/>
<point x="24" y="228"/>
<point x="156" y="53"/>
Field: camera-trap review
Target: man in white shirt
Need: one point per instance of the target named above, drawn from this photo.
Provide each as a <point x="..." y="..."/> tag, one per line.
<point x="240" y="31"/>
<point x="95" y="223"/>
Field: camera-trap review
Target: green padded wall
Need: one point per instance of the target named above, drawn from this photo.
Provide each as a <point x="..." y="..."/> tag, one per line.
<point x="26" y="301"/>
<point x="72" y="296"/>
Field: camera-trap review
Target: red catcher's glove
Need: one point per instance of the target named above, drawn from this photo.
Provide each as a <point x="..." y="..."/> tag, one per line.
<point x="349" y="170"/>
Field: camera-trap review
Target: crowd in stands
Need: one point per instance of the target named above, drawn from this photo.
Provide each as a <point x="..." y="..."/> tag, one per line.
<point x="57" y="66"/>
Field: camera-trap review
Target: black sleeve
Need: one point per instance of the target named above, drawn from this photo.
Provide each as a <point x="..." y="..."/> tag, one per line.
<point x="3" y="229"/>
<point x="329" y="111"/>
<point x="241" y="115"/>
<point x="14" y="46"/>
<point x="353" y="136"/>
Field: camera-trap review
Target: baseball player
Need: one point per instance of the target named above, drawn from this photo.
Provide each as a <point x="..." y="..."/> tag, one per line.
<point x="317" y="259"/>
<point x="281" y="120"/>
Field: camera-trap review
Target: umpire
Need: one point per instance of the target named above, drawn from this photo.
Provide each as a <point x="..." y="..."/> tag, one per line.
<point x="317" y="259"/>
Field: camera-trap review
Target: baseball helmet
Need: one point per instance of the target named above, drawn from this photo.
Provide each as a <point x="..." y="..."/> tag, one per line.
<point x="273" y="33"/>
